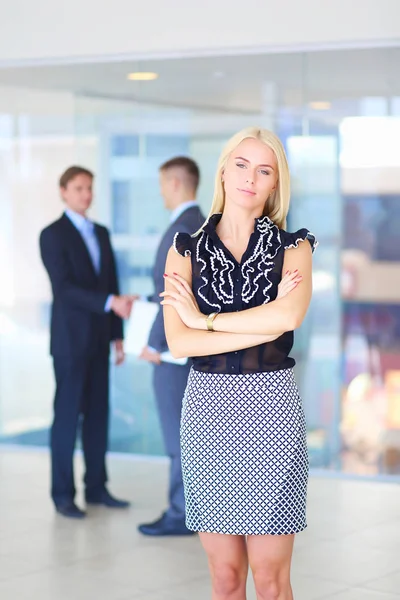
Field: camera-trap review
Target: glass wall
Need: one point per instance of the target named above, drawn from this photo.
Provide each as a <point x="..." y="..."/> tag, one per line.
<point x="341" y="136"/>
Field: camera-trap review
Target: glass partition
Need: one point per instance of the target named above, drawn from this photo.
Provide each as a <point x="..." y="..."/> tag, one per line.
<point x="341" y="137"/>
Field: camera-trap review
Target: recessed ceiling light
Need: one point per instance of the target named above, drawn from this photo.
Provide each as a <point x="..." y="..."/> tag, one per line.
<point x="320" y="105"/>
<point x="142" y="76"/>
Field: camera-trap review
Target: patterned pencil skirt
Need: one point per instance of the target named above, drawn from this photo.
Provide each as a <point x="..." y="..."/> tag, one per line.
<point x="244" y="453"/>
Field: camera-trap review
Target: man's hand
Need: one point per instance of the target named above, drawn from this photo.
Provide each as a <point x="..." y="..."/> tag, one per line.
<point x="151" y="356"/>
<point x="122" y="306"/>
<point x="119" y="352"/>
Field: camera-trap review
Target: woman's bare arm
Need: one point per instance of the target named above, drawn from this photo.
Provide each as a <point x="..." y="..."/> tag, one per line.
<point x="184" y="341"/>
<point x="284" y="314"/>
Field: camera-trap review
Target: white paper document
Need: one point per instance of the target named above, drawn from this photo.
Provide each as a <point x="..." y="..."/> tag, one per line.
<point x="138" y="327"/>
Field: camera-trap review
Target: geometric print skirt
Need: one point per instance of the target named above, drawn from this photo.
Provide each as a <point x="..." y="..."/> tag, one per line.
<point x="244" y="453"/>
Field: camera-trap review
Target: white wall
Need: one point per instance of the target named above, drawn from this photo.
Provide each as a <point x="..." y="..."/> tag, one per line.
<point x="51" y="30"/>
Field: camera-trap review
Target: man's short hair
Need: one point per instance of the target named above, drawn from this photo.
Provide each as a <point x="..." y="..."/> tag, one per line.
<point x="188" y="165"/>
<point x="71" y="173"/>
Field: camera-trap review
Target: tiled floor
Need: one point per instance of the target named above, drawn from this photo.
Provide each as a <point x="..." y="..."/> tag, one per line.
<point x="349" y="552"/>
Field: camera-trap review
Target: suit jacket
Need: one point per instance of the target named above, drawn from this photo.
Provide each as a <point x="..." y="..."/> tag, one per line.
<point x="188" y="222"/>
<point x="79" y="324"/>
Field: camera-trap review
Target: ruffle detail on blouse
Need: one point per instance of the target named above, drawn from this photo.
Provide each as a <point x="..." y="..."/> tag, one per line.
<point x="183" y="244"/>
<point x="291" y="240"/>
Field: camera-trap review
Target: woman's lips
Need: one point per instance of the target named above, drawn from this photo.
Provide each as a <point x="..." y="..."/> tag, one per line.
<point x="248" y="192"/>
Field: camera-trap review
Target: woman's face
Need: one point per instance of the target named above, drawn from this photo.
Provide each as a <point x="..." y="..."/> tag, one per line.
<point x="251" y="175"/>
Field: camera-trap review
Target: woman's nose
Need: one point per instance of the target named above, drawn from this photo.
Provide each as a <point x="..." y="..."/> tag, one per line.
<point x="249" y="177"/>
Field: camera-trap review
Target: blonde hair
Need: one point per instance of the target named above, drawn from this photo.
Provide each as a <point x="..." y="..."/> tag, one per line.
<point x="277" y="205"/>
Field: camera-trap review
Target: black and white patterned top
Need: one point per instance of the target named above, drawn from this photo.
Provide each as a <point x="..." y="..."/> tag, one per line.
<point x="221" y="284"/>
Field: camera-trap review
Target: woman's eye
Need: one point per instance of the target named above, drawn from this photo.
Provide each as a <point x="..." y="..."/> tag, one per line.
<point x="265" y="172"/>
<point x="241" y="165"/>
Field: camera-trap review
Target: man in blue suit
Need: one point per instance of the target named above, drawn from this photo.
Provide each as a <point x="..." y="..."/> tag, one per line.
<point x="179" y="179"/>
<point x="87" y="314"/>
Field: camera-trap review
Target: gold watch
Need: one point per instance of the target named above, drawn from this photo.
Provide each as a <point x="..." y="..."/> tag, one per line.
<point x="210" y="321"/>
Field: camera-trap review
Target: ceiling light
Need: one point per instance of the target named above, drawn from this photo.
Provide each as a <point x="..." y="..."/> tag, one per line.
<point x="320" y="105"/>
<point x="142" y="76"/>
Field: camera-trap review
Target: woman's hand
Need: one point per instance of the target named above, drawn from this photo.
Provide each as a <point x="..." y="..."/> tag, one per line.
<point x="288" y="282"/>
<point x="182" y="299"/>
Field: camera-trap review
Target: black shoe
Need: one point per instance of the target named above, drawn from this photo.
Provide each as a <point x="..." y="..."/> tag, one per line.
<point x="70" y="510"/>
<point x="165" y="526"/>
<point x="105" y="499"/>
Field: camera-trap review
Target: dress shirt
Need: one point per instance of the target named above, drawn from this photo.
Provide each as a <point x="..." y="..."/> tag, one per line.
<point x="87" y="231"/>
<point x="176" y="213"/>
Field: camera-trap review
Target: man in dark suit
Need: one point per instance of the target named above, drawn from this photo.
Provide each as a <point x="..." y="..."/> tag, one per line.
<point x="87" y="314"/>
<point x="179" y="179"/>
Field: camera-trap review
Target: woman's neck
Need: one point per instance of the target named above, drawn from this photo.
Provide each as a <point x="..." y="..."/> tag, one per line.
<point x="236" y="225"/>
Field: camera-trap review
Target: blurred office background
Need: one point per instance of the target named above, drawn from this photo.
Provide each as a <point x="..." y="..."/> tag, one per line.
<point x="337" y="111"/>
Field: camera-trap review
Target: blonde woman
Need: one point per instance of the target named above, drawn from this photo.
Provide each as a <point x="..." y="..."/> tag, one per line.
<point x="243" y="431"/>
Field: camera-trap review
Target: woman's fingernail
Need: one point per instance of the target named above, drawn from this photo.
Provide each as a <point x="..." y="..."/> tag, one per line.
<point x="165" y="275"/>
<point x="175" y="273"/>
